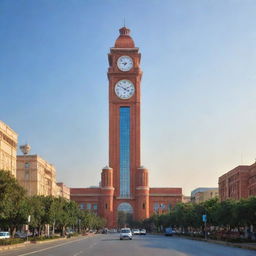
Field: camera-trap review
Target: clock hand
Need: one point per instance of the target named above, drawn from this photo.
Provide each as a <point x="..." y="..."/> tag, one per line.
<point x="124" y="88"/>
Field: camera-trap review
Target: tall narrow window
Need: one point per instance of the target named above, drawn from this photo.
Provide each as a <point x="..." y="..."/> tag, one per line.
<point x="124" y="152"/>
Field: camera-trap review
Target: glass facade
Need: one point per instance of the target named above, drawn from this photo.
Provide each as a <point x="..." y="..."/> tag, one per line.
<point x="124" y="152"/>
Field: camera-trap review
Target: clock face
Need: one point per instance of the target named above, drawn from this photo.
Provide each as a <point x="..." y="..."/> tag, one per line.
<point x="124" y="63"/>
<point x="124" y="89"/>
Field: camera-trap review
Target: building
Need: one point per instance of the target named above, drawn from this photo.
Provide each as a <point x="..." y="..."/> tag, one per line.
<point x="124" y="183"/>
<point x="238" y="183"/>
<point x="200" y="195"/>
<point x="8" y="148"/>
<point x="38" y="176"/>
<point x="63" y="190"/>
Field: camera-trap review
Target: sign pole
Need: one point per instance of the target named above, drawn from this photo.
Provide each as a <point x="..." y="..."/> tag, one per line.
<point x="204" y="218"/>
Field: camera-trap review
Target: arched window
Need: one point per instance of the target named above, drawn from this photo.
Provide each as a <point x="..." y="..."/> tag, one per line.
<point x="125" y="207"/>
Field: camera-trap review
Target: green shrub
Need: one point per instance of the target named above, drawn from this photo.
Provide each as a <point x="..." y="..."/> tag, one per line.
<point x="42" y="238"/>
<point x="11" y="241"/>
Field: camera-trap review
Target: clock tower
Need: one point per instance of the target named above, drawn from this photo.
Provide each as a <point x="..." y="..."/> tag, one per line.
<point x="130" y="179"/>
<point x="124" y="185"/>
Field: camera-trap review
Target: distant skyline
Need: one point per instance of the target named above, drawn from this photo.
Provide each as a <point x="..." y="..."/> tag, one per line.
<point x="198" y="86"/>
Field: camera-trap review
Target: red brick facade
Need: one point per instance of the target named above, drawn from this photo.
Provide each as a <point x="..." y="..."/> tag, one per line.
<point x="238" y="183"/>
<point x="144" y="201"/>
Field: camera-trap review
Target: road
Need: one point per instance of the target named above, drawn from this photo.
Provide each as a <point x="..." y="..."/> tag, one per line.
<point x="110" y="245"/>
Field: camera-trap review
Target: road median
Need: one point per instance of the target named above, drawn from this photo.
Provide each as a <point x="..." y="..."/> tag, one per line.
<point x="27" y="243"/>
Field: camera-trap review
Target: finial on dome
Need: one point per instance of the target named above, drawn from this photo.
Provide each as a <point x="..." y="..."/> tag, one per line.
<point x="124" y="40"/>
<point x="124" y="31"/>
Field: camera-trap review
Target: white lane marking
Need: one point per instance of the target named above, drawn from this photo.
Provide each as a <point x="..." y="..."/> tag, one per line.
<point x="58" y="245"/>
<point x="78" y="253"/>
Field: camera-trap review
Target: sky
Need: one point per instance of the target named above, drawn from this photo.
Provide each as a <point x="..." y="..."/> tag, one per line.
<point x="198" y="110"/>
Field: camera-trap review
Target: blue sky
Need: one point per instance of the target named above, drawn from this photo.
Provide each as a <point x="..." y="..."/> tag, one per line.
<point x="198" y="86"/>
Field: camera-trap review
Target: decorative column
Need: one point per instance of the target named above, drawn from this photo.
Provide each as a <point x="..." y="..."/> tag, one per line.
<point x="142" y="193"/>
<point x="107" y="193"/>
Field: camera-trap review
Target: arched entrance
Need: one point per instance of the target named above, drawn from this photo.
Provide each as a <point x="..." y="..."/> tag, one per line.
<point x="124" y="215"/>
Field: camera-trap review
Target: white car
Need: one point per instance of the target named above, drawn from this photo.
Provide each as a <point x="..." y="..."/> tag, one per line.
<point x="126" y="233"/>
<point x="136" y="231"/>
<point x="4" y="235"/>
<point x="143" y="232"/>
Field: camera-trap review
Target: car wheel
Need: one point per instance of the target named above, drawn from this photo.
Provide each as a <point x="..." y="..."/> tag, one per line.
<point x="121" y="238"/>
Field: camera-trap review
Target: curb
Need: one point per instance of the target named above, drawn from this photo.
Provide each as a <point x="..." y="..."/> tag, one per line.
<point x="8" y="247"/>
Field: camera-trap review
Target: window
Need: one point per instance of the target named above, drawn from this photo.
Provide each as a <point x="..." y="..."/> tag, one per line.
<point x="81" y="206"/>
<point x="125" y="207"/>
<point x="26" y="175"/>
<point x="162" y="205"/>
<point x="27" y="165"/>
<point x="89" y="206"/>
<point x="156" y="207"/>
<point x="143" y="206"/>
<point x="95" y="206"/>
<point x="124" y="152"/>
<point x="106" y="206"/>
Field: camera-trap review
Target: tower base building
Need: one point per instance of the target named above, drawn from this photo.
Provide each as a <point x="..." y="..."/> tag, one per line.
<point x="124" y="186"/>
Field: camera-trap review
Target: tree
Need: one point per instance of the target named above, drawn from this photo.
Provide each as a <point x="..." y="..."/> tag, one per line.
<point x="37" y="213"/>
<point x="225" y="214"/>
<point x="66" y="213"/>
<point x="13" y="210"/>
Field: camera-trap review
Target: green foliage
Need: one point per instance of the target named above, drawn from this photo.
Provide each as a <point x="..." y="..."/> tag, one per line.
<point x="13" y="210"/>
<point x="188" y="216"/>
<point x="15" y="207"/>
<point x="89" y="220"/>
<point x="43" y="238"/>
<point x="11" y="241"/>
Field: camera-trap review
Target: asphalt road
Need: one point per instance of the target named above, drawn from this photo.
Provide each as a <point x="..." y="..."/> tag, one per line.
<point x="110" y="245"/>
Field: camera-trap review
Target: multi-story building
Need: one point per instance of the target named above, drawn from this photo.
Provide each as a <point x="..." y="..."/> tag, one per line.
<point x="8" y="148"/>
<point x="124" y="183"/>
<point x="200" y="195"/>
<point x="252" y="180"/>
<point x="238" y="183"/>
<point x="36" y="175"/>
<point x="63" y="190"/>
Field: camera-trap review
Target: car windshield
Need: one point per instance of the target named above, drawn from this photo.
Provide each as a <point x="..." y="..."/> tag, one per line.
<point x="125" y="231"/>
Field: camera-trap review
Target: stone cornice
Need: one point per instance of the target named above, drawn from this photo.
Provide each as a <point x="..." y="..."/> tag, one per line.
<point x="165" y="195"/>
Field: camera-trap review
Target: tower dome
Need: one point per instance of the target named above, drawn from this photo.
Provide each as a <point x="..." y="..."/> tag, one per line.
<point x="124" y="40"/>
